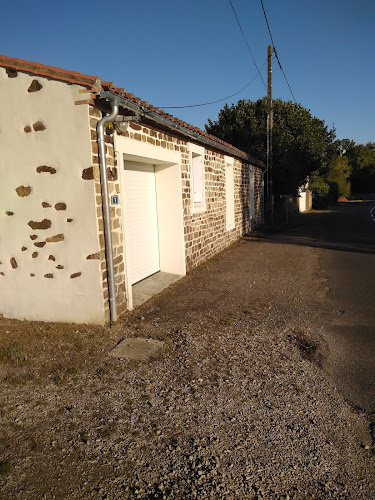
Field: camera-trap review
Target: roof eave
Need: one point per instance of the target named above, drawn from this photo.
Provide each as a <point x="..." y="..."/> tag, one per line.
<point x="166" y="122"/>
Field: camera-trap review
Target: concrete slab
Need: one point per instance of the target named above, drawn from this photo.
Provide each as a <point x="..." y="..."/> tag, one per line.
<point x="152" y="285"/>
<point x="136" y="348"/>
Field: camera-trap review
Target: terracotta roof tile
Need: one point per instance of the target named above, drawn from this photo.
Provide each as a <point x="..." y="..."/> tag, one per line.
<point x="96" y="83"/>
<point x="49" y="71"/>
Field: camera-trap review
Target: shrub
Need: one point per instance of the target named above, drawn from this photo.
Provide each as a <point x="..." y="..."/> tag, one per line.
<point x="320" y="191"/>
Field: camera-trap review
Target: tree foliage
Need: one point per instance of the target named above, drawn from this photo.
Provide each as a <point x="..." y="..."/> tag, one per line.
<point x="338" y="177"/>
<point x="320" y="190"/>
<point x="362" y="162"/>
<point x="300" y="141"/>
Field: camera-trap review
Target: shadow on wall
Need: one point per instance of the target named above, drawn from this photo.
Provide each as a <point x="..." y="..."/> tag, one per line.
<point x="245" y="199"/>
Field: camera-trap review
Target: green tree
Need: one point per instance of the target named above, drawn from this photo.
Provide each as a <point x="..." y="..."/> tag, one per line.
<point x="320" y="190"/>
<point x="300" y="140"/>
<point x="338" y="178"/>
<point x="362" y="161"/>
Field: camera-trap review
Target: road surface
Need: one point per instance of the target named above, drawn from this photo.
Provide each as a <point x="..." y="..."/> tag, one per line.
<point x="344" y="238"/>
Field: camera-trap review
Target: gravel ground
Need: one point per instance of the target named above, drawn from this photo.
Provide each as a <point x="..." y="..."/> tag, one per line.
<point x="236" y="404"/>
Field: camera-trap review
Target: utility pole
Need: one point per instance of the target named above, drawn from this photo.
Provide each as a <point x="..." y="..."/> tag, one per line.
<point x="269" y="137"/>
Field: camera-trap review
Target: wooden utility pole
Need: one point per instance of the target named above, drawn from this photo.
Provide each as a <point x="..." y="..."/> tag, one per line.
<point x="269" y="137"/>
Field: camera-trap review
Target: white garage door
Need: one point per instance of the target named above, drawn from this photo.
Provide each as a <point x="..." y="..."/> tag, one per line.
<point x="141" y="220"/>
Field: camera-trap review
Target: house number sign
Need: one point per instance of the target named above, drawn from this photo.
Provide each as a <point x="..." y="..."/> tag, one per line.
<point x="114" y="200"/>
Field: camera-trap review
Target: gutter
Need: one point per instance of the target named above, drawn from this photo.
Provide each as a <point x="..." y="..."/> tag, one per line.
<point x="161" y="120"/>
<point x="105" y="201"/>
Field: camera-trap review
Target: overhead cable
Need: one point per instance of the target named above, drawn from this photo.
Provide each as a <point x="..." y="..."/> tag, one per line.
<point x="275" y="51"/>
<point x="247" y="44"/>
<point x="217" y="100"/>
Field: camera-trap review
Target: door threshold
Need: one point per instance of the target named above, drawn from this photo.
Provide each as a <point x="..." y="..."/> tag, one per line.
<point x="148" y="287"/>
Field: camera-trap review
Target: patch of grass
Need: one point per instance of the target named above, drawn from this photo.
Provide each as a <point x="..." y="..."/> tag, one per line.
<point x="226" y="321"/>
<point x="4" y="468"/>
<point x="63" y="371"/>
<point x="34" y="446"/>
<point x="84" y="438"/>
<point x="36" y="351"/>
<point x="14" y="353"/>
<point x="78" y="343"/>
<point x="107" y="432"/>
<point x="103" y="370"/>
<point x="18" y="379"/>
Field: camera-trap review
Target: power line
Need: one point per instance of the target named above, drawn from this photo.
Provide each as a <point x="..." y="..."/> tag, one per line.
<point x="217" y="100"/>
<point x="247" y="44"/>
<point x="275" y="51"/>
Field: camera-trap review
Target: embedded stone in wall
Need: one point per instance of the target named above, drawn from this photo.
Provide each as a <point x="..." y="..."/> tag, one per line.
<point x="34" y="255"/>
<point x="2" y="274"/>
<point x="75" y="275"/>
<point x="69" y="220"/>
<point x="27" y="129"/>
<point x="35" y="86"/>
<point x="59" y="267"/>
<point x="94" y="256"/>
<point x="60" y="206"/>
<point x="135" y="126"/>
<point x="54" y="239"/>
<point x="33" y="236"/>
<point x="12" y="73"/>
<point x="88" y="173"/>
<point x="23" y="249"/>
<point x="23" y="191"/>
<point x="32" y="275"/>
<point x="44" y="224"/>
<point x="46" y="205"/>
<point x="46" y="168"/>
<point x="39" y="126"/>
<point x="40" y="244"/>
<point x="112" y="174"/>
<point x="51" y="257"/>
<point x="48" y="275"/>
<point x="13" y="263"/>
<point x="9" y="213"/>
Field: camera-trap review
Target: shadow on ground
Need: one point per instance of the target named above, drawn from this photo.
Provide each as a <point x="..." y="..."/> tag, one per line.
<point x="336" y="228"/>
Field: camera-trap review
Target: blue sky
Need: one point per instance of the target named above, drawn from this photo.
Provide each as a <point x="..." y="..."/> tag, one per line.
<point x="175" y="53"/>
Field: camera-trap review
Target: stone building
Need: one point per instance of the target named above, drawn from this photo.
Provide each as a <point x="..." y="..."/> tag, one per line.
<point x="90" y="206"/>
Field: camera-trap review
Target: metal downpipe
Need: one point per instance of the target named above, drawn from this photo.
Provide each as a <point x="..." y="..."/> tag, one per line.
<point x="106" y="211"/>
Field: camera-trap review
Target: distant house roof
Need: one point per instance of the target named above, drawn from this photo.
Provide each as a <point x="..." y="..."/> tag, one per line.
<point x="97" y="85"/>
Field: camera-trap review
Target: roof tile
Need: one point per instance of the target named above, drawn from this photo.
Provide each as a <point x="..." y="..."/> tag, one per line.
<point x="49" y="71"/>
<point x="94" y="81"/>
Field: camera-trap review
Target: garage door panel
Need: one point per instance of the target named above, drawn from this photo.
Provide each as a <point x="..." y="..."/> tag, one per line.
<point x="141" y="220"/>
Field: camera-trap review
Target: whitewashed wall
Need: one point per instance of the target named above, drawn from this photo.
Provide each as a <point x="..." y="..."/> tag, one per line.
<point x="48" y="224"/>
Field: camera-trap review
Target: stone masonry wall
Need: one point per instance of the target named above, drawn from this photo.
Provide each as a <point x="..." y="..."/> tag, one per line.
<point x="205" y="233"/>
<point x="258" y="189"/>
<point x="115" y="213"/>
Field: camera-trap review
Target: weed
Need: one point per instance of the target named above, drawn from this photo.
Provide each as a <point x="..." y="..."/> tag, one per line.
<point x="84" y="438"/>
<point x="15" y="354"/>
<point x="57" y="378"/>
<point x="107" y="432"/>
<point x="226" y="321"/>
<point x="4" y="468"/>
<point x="34" y="446"/>
<point x="102" y="370"/>
<point x="78" y="343"/>
<point x="128" y="405"/>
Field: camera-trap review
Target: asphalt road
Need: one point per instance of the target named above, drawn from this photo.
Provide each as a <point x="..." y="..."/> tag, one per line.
<point x="344" y="238"/>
